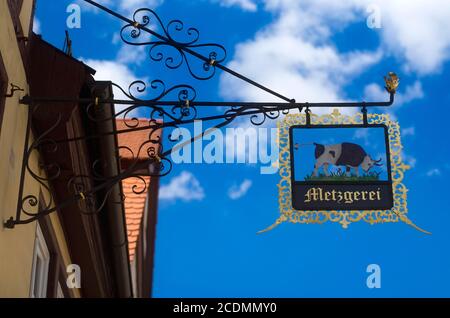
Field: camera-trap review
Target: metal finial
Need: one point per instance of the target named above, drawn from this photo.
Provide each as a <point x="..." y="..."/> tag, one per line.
<point x="392" y="81"/>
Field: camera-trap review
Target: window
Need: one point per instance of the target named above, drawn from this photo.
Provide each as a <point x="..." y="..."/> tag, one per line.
<point x="59" y="291"/>
<point x="55" y="280"/>
<point x="41" y="262"/>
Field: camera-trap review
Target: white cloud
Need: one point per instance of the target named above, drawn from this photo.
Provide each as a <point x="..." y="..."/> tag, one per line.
<point x="131" y="54"/>
<point x="409" y="131"/>
<point x="236" y="192"/>
<point x="413" y="31"/>
<point x="124" y="6"/>
<point x="433" y="172"/>
<point x="412" y="92"/>
<point x="418" y="32"/>
<point x="295" y="55"/>
<point x="247" y="5"/>
<point x="90" y="8"/>
<point x="132" y="5"/>
<point x="374" y="92"/>
<point x="116" y="38"/>
<point x="36" y="26"/>
<point x="113" y="71"/>
<point x="292" y="56"/>
<point x="117" y="73"/>
<point x="184" y="187"/>
<point x="240" y="142"/>
<point x="409" y="160"/>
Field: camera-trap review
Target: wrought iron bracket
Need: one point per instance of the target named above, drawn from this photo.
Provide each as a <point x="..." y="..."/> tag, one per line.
<point x="364" y="112"/>
<point x="14" y="88"/>
<point x="164" y="112"/>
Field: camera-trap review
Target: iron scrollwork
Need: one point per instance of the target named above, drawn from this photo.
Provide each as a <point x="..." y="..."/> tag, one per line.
<point x="182" y="109"/>
<point x="172" y="49"/>
<point x="92" y="188"/>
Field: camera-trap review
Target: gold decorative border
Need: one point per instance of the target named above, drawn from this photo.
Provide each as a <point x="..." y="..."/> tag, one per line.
<point x="398" y="168"/>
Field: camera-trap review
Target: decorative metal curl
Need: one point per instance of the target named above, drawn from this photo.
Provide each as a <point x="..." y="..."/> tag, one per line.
<point x="184" y="91"/>
<point x="257" y="115"/>
<point x="157" y="89"/>
<point x="29" y="203"/>
<point x="260" y="119"/>
<point x="172" y="48"/>
<point x="78" y="185"/>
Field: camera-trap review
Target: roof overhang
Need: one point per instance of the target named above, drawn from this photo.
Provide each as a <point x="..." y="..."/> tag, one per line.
<point x="97" y="241"/>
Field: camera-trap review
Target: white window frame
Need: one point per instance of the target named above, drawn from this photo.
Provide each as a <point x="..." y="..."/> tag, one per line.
<point x="39" y="276"/>
<point x="59" y="291"/>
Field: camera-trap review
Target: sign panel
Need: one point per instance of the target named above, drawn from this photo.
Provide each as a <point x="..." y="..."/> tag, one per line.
<point x="343" y="167"/>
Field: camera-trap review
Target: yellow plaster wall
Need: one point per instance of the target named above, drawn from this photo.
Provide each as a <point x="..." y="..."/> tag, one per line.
<point x="25" y="13"/>
<point x="16" y="245"/>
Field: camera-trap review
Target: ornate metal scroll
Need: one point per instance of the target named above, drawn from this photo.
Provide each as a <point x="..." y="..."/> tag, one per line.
<point x="172" y="50"/>
<point x="175" y="45"/>
<point x="149" y="155"/>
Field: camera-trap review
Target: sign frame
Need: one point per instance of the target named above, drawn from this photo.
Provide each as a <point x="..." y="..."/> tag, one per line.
<point x="399" y="211"/>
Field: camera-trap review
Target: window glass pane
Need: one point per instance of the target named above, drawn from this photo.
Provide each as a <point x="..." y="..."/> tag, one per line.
<point x="38" y="270"/>
<point x="41" y="264"/>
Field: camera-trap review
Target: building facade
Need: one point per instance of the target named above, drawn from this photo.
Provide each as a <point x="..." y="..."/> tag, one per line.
<point x="88" y="248"/>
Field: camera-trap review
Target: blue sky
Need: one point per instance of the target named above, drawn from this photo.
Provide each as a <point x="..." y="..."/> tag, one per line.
<point x="372" y="140"/>
<point x="312" y="51"/>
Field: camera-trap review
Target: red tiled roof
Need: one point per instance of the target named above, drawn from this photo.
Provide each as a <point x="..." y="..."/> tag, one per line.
<point x="134" y="210"/>
<point x="134" y="140"/>
<point x="134" y="203"/>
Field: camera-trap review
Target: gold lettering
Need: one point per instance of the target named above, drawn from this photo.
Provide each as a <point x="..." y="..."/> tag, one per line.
<point x="333" y="193"/>
<point x="340" y="198"/>
<point x="308" y="196"/>
<point x="348" y="197"/>
<point x="312" y="195"/>
<point x="364" y="195"/>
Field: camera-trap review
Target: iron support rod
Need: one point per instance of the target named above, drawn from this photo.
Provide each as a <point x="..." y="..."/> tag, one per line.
<point x="191" y="52"/>
<point x="27" y="100"/>
<point x="172" y="124"/>
<point x="245" y="111"/>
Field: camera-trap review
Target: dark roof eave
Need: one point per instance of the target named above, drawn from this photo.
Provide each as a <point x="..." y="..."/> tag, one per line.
<point x="89" y="69"/>
<point x="117" y="220"/>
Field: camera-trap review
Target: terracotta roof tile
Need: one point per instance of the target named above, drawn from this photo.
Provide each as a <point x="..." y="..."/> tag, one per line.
<point x="134" y="203"/>
<point x="133" y="140"/>
<point x="134" y="209"/>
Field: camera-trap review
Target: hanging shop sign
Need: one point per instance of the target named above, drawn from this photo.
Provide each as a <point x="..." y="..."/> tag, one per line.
<point x="341" y="168"/>
<point x="334" y="167"/>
